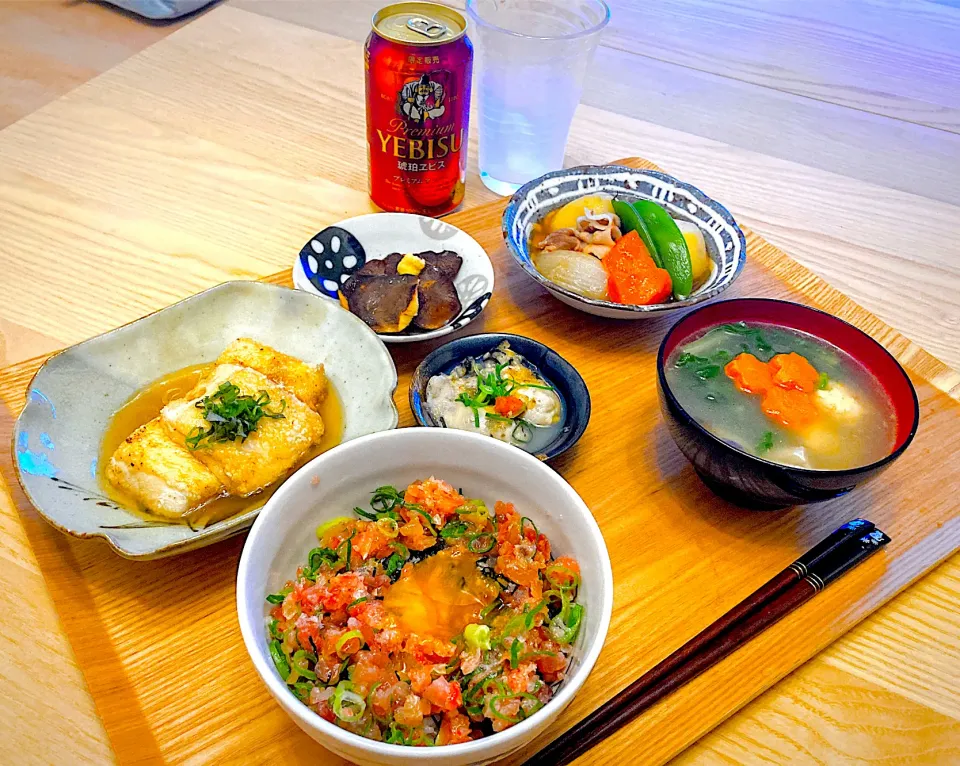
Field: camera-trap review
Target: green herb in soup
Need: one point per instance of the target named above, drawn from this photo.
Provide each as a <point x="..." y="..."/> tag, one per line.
<point x="784" y="396"/>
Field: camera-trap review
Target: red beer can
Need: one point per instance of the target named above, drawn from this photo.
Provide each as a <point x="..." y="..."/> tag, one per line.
<point x="418" y="64"/>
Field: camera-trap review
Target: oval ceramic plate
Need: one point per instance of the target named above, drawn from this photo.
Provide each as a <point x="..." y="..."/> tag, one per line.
<point x="332" y="255"/>
<point x="72" y="397"/>
<point x="726" y="244"/>
<point x="558" y="371"/>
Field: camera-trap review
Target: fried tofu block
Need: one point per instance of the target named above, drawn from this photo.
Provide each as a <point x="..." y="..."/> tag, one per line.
<point x="307" y="381"/>
<point x="266" y="455"/>
<point x="162" y="475"/>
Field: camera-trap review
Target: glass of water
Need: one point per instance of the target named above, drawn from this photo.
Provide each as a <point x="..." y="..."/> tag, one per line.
<point x="531" y="58"/>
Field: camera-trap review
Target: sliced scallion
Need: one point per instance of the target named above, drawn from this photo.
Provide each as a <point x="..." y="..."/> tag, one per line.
<point x="522" y="432"/>
<point x="350" y="635"/>
<point x="276" y="654"/>
<point x="453" y="530"/>
<point x="515" y="653"/>
<point x="299" y="660"/>
<point x="565" y="627"/>
<point x="482" y="542"/>
<point x="348" y="706"/>
<point x="526" y="520"/>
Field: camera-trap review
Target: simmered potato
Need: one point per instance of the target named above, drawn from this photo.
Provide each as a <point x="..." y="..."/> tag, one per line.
<point x="566" y="217"/>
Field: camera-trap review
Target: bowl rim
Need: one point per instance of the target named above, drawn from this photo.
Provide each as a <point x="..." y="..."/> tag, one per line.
<point x="807" y="472"/>
<point x="496" y="337"/>
<point x="451" y="327"/>
<point x="691" y="300"/>
<point x="306" y="718"/>
<point x="474" y="15"/>
<point x="214" y="533"/>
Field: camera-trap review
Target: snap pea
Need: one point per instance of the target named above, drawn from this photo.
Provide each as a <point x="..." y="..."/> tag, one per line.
<point x="630" y="220"/>
<point x="670" y="245"/>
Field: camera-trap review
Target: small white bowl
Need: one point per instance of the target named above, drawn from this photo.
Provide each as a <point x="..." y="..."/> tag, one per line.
<point x="328" y="260"/>
<point x="337" y="481"/>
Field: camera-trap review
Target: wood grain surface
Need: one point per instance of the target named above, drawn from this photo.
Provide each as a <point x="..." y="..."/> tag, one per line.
<point x="661" y="62"/>
<point x="879" y="245"/>
<point x="156" y="704"/>
<point x="49" y="47"/>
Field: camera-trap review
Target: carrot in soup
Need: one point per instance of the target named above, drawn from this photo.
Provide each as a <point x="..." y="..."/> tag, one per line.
<point x="789" y="407"/>
<point x="749" y="374"/>
<point x="786" y="384"/>
<point x="794" y="371"/>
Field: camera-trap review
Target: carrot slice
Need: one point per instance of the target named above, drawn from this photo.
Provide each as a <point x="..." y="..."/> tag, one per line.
<point x="749" y="374"/>
<point x="640" y="287"/>
<point x="794" y="371"/>
<point x="785" y="383"/>
<point x="508" y="406"/>
<point x="629" y="247"/>
<point x="789" y="407"/>
<point x="633" y="277"/>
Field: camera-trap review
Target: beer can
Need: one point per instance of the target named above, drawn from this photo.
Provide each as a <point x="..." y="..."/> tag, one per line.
<point x="418" y="64"/>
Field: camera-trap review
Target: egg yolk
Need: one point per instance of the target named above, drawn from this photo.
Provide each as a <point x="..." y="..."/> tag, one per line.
<point x="440" y="595"/>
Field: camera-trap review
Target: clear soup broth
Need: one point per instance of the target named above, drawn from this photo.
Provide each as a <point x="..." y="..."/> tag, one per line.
<point x="784" y="396"/>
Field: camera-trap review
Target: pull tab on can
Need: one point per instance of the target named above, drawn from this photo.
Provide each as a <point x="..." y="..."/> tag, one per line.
<point x="427" y="27"/>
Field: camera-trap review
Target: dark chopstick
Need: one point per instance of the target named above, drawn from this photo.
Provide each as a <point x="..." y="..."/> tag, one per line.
<point x="824" y="563"/>
<point x="765" y="593"/>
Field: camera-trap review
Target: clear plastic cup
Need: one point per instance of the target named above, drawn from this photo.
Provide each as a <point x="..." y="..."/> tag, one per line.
<point x="531" y="58"/>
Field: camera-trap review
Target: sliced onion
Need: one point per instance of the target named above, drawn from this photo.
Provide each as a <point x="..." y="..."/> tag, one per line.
<point x="603" y="220"/>
<point x="577" y="272"/>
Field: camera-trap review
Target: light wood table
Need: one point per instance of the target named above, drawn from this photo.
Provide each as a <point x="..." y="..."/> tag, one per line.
<point x="831" y="129"/>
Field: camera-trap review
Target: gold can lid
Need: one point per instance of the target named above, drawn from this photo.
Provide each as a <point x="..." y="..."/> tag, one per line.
<point x="419" y="23"/>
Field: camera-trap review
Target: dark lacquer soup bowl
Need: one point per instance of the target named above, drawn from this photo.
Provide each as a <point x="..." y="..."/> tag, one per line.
<point x="754" y="482"/>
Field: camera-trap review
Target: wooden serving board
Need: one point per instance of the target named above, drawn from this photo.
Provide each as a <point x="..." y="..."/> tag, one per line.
<point x="159" y="642"/>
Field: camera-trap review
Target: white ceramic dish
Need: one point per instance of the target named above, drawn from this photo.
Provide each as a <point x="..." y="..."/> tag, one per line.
<point x="726" y="245"/>
<point x="325" y="262"/>
<point x="72" y="397"/>
<point x="343" y="478"/>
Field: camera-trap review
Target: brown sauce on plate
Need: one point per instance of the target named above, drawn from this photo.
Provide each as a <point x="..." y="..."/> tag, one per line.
<point x="146" y="404"/>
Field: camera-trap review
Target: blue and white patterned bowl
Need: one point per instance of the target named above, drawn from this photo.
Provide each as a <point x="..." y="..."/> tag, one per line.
<point x="726" y="245"/>
<point x="332" y="255"/>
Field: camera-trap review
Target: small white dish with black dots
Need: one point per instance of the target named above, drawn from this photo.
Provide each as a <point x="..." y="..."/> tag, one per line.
<point x="726" y="245"/>
<point x="331" y="256"/>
